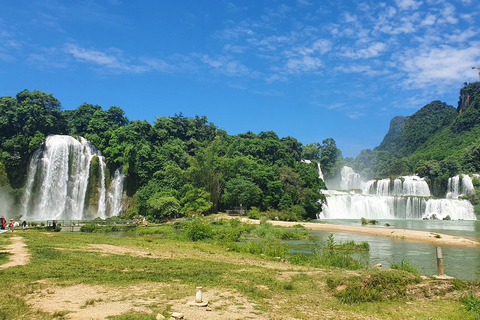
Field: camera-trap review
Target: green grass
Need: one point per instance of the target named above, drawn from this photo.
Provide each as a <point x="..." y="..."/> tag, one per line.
<point x="472" y="304"/>
<point x="291" y="289"/>
<point x="406" y="266"/>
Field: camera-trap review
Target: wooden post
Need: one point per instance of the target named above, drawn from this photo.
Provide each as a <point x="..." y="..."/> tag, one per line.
<point x="439" y="261"/>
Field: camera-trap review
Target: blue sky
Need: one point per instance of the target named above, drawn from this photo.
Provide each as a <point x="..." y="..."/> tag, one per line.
<point x="308" y="69"/>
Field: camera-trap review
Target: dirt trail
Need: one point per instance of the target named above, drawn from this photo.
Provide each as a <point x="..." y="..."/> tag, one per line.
<point x="19" y="255"/>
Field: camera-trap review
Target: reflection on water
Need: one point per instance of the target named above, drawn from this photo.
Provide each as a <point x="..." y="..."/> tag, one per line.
<point x="459" y="262"/>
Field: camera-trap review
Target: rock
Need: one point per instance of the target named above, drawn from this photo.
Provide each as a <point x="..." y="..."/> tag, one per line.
<point x="208" y="309"/>
<point x="160" y="317"/>
<point x="177" y="315"/>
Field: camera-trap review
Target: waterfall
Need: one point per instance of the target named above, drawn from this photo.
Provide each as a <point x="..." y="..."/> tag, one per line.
<point x="350" y="179"/>
<point x="115" y="193"/>
<point x="406" y="197"/>
<point x="403" y="186"/>
<point x="455" y="209"/>
<point x="66" y="180"/>
<point x="320" y="173"/>
<point x="459" y="186"/>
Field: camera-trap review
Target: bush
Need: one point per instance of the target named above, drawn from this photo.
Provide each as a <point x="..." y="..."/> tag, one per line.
<point x="88" y="228"/>
<point x="198" y="229"/>
<point x="253" y="213"/>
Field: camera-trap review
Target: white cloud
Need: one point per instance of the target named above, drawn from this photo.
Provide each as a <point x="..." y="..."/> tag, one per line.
<point x="429" y="20"/>
<point x="225" y="65"/>
<point x="303" y="3"/>
<point x="93" y="56"/>
<point x="364" y="69"/>
<point x="114" y="60"/>
<point x="442" y="66"/>
<point x="303" y="64"/>
<point x="408" y="4"/>
<point x="374" y="50"/>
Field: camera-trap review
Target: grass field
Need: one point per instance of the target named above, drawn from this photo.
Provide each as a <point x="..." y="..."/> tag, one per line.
<point x="155" y="270"/>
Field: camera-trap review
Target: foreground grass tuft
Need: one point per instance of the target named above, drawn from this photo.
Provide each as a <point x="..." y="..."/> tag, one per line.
<point x="377" y="285"/>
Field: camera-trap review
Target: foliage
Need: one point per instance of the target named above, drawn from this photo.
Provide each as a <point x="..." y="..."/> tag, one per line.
<point x="241" y="192"/>
<point x="330" y="156"/>
<point x="163" y="205"/>
<point x="196" y="202"/>
<point x="187" y="165"/>
<point x="376" y="286"/>
<point x="404" y="265"/>
<point x="198" y="229"/>
<point x="472" y="304"/>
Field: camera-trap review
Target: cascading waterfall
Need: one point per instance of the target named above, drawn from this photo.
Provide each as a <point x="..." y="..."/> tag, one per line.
<point x="406" y="197"/>
<point x="350" y="179"/>
<point x="115" y="193"/>
<point x="320" y="173"/>
<point x="459" y="186"/>
<point x="403" y="186"/>
<point x="66" y="180"/>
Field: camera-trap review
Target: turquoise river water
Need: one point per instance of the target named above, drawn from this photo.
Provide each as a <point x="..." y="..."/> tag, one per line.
<point x="459" y="262"/>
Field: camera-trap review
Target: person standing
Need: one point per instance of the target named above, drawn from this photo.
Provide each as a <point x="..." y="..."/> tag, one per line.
<point x="24" y="225"/>
<point x="11" y="225"/>
<point x="54" y="225"/>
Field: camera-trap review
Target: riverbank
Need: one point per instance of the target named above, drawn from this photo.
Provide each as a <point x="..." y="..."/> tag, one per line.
<point x="404" y="234"/>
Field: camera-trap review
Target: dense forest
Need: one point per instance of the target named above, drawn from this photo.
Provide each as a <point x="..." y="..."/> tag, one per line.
<point x="188" y="166"/>
<point x="177" y="165"/>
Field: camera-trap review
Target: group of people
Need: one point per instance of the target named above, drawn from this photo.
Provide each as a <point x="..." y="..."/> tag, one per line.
<point x="11" y="224"/>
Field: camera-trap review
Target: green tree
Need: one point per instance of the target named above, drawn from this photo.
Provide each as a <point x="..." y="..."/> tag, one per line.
<point x="196" y="202"/>
<point x="204" y="172"/>
<point x="239" y="191"/>
<point x="163" y="205"/>
<point x="79" y="119"/>
<point x="330" y="157"/>
<point x="311" y="151"/>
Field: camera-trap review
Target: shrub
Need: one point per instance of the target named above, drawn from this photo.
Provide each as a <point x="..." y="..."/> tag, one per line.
<point x="88" y="227"/>
<point x="253" y="213"/>
<point x="198" y="229"/>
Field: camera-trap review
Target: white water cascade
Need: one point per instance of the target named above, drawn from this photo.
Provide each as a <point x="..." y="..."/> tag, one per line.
<point x="459" y="186"/>
<point x="67" y="181"/>
<point x="115" y="193"/>
<point x="406" y="197"/>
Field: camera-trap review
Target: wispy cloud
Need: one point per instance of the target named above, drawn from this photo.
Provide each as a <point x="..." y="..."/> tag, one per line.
<point x="439" y="67"/>
<point x="408" y="4"/>
<point x="113" y="59"/>
<point x="374" y="50"/>
<point x="226" y="66"/>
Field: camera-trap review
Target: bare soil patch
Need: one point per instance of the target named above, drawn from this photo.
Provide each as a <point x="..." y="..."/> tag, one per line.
<point x="18" y="253"/>
<point x="100" y="302"/>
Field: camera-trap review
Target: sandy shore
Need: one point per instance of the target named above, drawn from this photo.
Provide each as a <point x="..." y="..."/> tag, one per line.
<point x="405" y="234"/>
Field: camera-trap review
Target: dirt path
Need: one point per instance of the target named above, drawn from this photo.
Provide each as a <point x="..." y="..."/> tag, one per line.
<point x="19" y="255"/>
<point x="405" y="234"/>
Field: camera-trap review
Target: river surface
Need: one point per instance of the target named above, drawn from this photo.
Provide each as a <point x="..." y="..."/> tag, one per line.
<point x="459" y="262"/>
